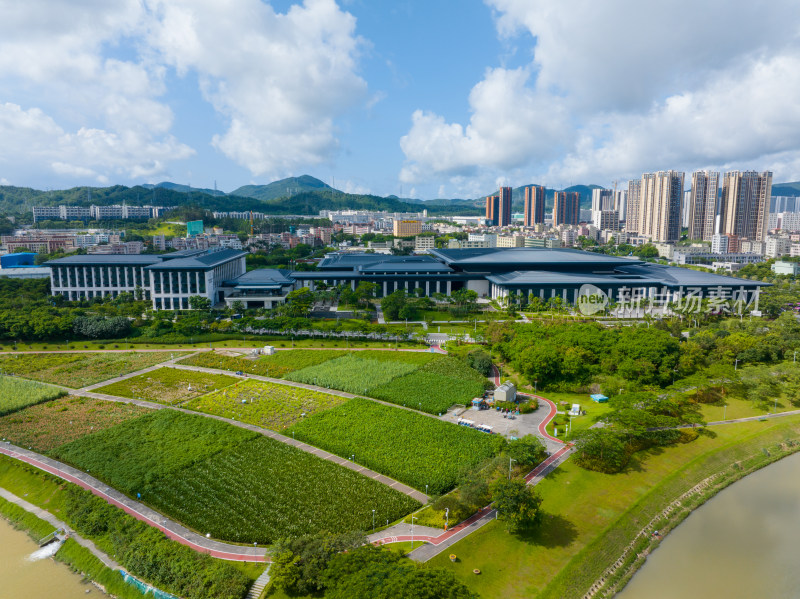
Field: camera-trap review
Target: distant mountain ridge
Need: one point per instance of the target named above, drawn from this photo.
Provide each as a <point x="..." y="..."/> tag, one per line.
<point x="283" y="188"/>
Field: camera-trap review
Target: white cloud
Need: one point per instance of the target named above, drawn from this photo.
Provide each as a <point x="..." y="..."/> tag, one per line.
<point x="85" y="113"/>
<point x="510" y="125"/>
<point x="31" y="135"/>
<point x="616" y="88"/>
<point x="355" y="188"/>
<point x="279" y="79"/>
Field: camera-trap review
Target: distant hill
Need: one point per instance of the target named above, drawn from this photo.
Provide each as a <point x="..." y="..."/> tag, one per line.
<point x="283" y="188"/>
<point x="786" y="189"/>
<point x="183" y="188"/>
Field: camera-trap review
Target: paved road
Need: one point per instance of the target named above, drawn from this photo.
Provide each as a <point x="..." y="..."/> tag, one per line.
<point x="59" y="524"/>
<point x="436" y="544"/>
<point x="172" y="529"/>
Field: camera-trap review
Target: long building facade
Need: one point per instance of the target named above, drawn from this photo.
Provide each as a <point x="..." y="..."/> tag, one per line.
<point x="169" y="280"/>
<point x="745" y="204"/>
<point x="533" y="208"/>
<point x="703" y="205"/>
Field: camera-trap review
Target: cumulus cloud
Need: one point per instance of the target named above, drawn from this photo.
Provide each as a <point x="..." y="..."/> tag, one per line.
<point x="617" y="88"/>
<point x="88" y="153"/>
<point x="279" y="79"/>
<point x="510" y="125"/>
<point x="86" y="113"/>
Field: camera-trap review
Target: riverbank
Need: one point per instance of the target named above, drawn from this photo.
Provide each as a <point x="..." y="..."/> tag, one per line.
<point x="635" y="555"/>
<point x="591" y="517"/>
<point x="79" y="559"/>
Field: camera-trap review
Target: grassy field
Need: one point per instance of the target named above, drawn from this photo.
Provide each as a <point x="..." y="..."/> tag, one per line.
<point x="16" y="394"/>
<point x="76" y="370"/>
<point x="412" y="448"/>
<point x="36" y="528"/>
<point x="594" y="412"/>
<point x="232" y="483"/>
<point x="49" y="425"/>
<point x="265" y="404"/>
<point x="168" y="385"/>
<point x="591" y="517"/>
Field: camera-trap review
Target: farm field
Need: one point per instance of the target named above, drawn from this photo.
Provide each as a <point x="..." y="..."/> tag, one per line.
<point x="276" y="366"/>
<point x="237" y="485"/>
<point x="351" y="373"/>
<point x="44" y="427"/>
<point x="16" y="393"/>
<point x="136" y="452"/>
<point x="264" y="404"/>
<point x="435" y="387"/>
<point x="412" y="448"/>
<point x="262" y="490"/>
<point x="76" y="370"/>
<point x="168" y="385"/>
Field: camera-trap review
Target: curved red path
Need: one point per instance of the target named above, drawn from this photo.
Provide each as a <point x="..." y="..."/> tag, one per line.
<point x="227" y="555"/>
<point x="529" y="478"/>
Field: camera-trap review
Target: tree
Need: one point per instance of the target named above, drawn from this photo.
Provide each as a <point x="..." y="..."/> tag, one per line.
<point x="298" y="303"/>
<point x="600" y="449"/>
<point x="393" y="303"/>
<point x="527" y="451"/>
<point x="199" y="302"/>
<point x="516" y="502"/>
<point x="365" y="290"/>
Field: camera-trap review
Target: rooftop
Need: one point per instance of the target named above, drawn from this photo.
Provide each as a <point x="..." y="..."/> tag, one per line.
<point x="105" y="260"/>
<point x="526" y="257"/>
<point x="262" y="278"/>
<point x="205" y="261"/>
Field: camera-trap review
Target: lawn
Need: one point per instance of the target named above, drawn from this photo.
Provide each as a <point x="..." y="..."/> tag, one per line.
<point x="44" y="427"/>
<point x="415" y="449"/>
<point x="76" y="370"/>
<point x="168" y="385"/>
<point x="594" y="412"/>
<point x="16" y="393"/>
<point x="584" y="508"/>
<point x="264" y="404"/>
<point x="276" y="366"/>
<point x="235" y="484"/>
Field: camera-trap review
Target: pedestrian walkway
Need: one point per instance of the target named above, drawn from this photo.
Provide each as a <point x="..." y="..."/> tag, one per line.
<point x="320" y="453"/>
<point x="440" y="540"/>
<point x="259" y="585"/>
<point x="60" y="525"/>
<point x="175" y="531"/>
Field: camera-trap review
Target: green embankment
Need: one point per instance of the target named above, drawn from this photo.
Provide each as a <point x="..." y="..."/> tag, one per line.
<point x="36" y="528"/>
<point x="592" y="517"/>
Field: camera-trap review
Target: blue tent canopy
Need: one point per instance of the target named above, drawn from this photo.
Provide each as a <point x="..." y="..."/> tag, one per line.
<point x="599" y="398"/>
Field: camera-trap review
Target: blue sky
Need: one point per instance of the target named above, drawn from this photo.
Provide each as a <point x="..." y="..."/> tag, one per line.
<point x="428" y="99"/>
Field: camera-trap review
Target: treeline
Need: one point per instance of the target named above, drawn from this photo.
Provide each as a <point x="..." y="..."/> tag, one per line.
<point x="148" y="554"/>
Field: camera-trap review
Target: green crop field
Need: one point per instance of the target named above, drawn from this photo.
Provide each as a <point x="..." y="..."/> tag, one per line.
<point x="351" y="373"/>
<point x="264" y="404"/>
<point x="16" y="393"/>
<point x="415" y="449"/>
<point x="76" y="370"/>
<point x="276" y="366"/>
<point x="263" y="490"/>
<point x="168" y="385"/>
<point x="134" y="453"/>
<point x="233" y="483"/>
<point x="435" y="387"/>
<point x="49" y="425"/>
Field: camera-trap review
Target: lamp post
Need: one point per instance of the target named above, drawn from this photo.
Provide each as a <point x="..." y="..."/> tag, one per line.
<point x="373" y="520"/>
<point x="509" y="467"/>
<point x="736" y="364"/>
<point x="446" y="518"/>
<point x="426" y="489"/>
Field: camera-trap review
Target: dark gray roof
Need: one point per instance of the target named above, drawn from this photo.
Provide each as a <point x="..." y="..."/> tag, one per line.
<point x="673" y="276"/>
<point x="403" y="267"/>
<point x="353" y="260"/>
<point x="206" y="261"/>
<point x="569" y="280"/>
<point x="105" y="260"/>
<point x="526" y="257"/>
<point x="262" y="278"/>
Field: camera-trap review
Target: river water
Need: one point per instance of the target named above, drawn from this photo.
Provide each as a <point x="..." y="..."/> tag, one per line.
<point x="743" y="543"/>
<point x="25" y="577"/>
